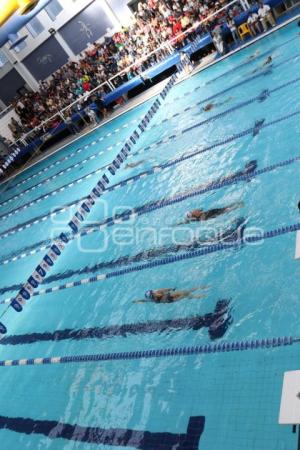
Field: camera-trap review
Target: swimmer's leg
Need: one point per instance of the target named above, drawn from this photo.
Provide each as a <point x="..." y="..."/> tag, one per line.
<point x="229" y="99"/>
<point x="196" y="297"/>
<point x="202" y="288"/>
<point x="234" y="206"/>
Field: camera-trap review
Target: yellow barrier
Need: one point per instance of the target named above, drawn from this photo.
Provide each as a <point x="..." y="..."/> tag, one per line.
<point x="9" y="7"/>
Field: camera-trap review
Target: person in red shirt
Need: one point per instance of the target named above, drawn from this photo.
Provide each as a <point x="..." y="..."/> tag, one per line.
<point x="86" y="86"/>
<point x="176" y="28"/>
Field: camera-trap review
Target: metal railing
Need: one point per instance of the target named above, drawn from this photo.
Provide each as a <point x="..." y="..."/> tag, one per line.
<point x="167" y="47"/>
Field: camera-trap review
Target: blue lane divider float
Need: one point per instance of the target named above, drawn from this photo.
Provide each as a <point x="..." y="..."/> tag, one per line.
<point x="260" y="97"/>
<point x="84" y="209"/>
<point x="68" y="156"/>
<point x="222" y="347"/>
<point x="102" y="152"/>
<point x="233" y="242"/>
<point x="254" y="130"/>
<point x="9" y="160"/>
<point x="148" y="207"/>
<point x="134" y="121"/>
<point x="240" y="176"/>
<point x="232" y="232"/>
<point x="250" y="61"/>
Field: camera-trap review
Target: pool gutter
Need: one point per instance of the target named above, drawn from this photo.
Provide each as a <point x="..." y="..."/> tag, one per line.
<point x="152" y="93"/>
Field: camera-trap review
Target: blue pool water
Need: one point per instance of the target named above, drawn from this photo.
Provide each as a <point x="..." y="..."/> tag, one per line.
<point x="218" y="401"/>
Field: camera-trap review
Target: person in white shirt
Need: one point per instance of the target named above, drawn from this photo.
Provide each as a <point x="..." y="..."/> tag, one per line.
<point x="233" y="29"/>
<point x="265" y="15"/>
<point x="218" y="42"/>
<point x="245" y="4"/>
<point x="254" y="24"/>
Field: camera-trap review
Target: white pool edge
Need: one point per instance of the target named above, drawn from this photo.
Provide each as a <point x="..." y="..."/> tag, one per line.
<point x="152" y="94"/>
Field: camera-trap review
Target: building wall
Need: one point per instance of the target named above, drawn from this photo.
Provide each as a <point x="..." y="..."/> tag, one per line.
<point x="46" y="59"/>
<point x="9" y="85"/>
<point x="81" y="22"/>
<point x="86" y="27"/>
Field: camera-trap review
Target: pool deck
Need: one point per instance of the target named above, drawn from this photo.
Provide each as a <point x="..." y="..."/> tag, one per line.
<point x="205" y="63"/>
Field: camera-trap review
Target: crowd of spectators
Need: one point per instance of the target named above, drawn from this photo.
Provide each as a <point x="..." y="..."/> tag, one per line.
<point x="155" y="22"/>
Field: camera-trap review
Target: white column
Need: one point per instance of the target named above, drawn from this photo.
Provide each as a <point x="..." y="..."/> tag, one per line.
<point x="21" y="69"/>
<point x="111" y="14"/>
<point x="65" y="46"/>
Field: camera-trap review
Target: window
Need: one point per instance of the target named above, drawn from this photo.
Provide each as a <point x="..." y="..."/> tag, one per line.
<point x="53" y="9"/>
<point x="3" y="58"/>
<point x="18" y="48"/>
<point x="35" y="27"/>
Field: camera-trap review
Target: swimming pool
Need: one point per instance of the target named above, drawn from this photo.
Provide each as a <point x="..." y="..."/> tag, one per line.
<point x="210" y="399"/>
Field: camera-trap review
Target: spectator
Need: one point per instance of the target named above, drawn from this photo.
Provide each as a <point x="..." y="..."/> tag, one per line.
<point x="254" y="24"/>
<point x="265" y="15"/>
<point x="233" y="29"/>
<point x="155" y="22"/>
<point x="72" y="126"/>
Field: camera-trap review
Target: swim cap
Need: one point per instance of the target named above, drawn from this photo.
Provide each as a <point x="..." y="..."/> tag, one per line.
<point x="149" y="294"/>
<point x="188" y="215"/>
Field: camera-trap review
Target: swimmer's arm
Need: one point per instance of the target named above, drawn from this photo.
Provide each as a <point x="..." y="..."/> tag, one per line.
<point x="140" y="301"/>
<point x="133" y="165"/>
<point x="166" y="290"/>
<point x="181" y="223"/>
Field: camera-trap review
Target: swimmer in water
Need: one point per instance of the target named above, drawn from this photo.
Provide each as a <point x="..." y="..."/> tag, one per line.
<point x="171" y="295"/>
<point x="199" y="215"/>
<point x="210" y="106"/>
<point x="133" y="165"/>
<point x="267" y="62"/>
<point x="255" y="55"/>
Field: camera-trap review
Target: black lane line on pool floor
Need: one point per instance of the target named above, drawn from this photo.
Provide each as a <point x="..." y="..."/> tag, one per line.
<point x="150" y="147"/>
<point x="249" y="171"/>
<point x="217" y="323"/>
<point x="254" y="130"/>
<point x="252" y="60"/>
<point x="101" y="138"/>
<point x="236" y="242"/>
<point x="233" y="232"/>
<point x="260" y="97"/>
<point x="265" y="93"/>
<point x="246" y="175"/>
<point x="142" y="440"/>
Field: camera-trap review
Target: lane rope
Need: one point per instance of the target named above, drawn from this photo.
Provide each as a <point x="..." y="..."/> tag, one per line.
<point x="100" y="139"/>
<point x="254" y="130"/>
<point x="234" y="242"/>
<point x="84" y="209"/>
<point x="222" y="347"/>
